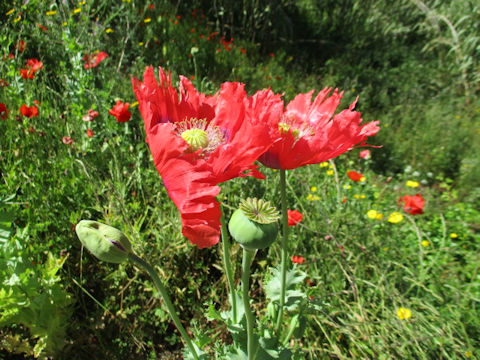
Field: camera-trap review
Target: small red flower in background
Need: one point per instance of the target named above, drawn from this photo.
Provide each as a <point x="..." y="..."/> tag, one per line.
<point x="44" y="28"/>
<point x="29" y="111"/>
<point x="120" y="111"/>
<point x="294" y="217"/>
<point x="243" y="51"/>
<point x="90" y="133"/>
<point x="412" y="204"/>
<point x="355" y="176"/>
<point x="91" y="114"/>
<point x="3" y="111"/>
<point x="21" y="46"/>
<point x="364" y="154"/>
<point x="67" y="140"/>
<point x="3" y="83"/>
<point x="298" y="259"/>
<point x="27" y="73"/>
<point x="34" y="65"/>
<point x="92" y="61"/>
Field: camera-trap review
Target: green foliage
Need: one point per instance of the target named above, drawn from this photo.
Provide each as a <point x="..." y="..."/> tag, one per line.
<point x="33" y="296"/>
<point x="413" y="65"/>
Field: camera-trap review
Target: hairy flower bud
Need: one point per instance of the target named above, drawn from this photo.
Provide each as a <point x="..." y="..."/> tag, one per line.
<point x="254" y="224"/>
<point x="103" y="241"/>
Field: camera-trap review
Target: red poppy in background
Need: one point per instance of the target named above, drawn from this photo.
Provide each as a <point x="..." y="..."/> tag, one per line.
<point x="92" y="61"/>
<point x="298" y="259"/>
<point x="412" y="204"/>
<point x="309" y="132"/>
<point x="27" y="73"/>
<point x="198" y="141"/>
<point x="3" y="111"/>
<point x="120" y="111"/>
<point x="364" y="154"/>
<point x="355" y="176"/>
<point x="29" y="111"/>
<point x="67" y="140"/>
<point x="34" y="64"/>
<point x="90" y="133"/>
<point x="21" y="45"/>
<point x="3" y="83"/>
<point x="90" y="116"/>
<point x="294" y="217"/>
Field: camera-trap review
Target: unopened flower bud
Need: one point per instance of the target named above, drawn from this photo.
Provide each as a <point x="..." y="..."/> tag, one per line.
<point x="103" y="241"/>
<point x="254" y="224"/>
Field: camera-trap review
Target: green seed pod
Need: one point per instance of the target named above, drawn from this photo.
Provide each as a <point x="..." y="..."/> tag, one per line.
<point x="103" y="241"/>
<point x="254" y="224"/>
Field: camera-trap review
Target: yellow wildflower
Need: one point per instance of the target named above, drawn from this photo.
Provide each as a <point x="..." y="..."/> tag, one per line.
<point x="132" y="105"/>
<point x="379" y="216"/>
<point x="453" y="235"/>
<point x="413" y="184"/>
<point x="404" y="313"/>
<point x="51" y="12"/>
<point x="372" y="214"/>
<point x="324" y="164"/>
<point x="17" y="19"/>
<point x="313" y="189"/>
<point x="468" y="354"/>
<point x="347" y="187"/>
<point x="109" y="30"/>
<point x="147" y="20"/>
<point x="425" y="243"/>
<point x="395" y="217"/>
<point x="10" y="12"/>
<point x="140" y="43"/>
<point x="312" y="197"/>
<point x="361" y="196"/>
<point x="77" y="10"/>
<point x="81" y="3"/>
<point x="330" y="172"/>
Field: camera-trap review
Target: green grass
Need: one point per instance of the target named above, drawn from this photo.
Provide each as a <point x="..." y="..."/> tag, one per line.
<point x="360" y="270"/>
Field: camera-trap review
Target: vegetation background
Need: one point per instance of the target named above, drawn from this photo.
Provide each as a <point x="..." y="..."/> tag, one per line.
<point x="414" y="66"/>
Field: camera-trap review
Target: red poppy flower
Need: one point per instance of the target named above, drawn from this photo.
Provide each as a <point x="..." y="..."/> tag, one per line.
<point x="34" y="65"/>
<point x="412" y="204"/>
<point x="3" y="111"/>
<point x="21" y="45"/>
<point x="29" y="111"/>
<point x="364" y="154"/>
<point x="27" y="73"/>
<point x="67" y="140"/>
<point x="355" y="176"/>
<point x="120" y="111"/>
<point x="309" y="132"/>
<point x="90" y="133"/>
<point x="3" y="83"/>
<point x="199" y="141"/>
<point x="92" y="114"/>
<point x="294" y="217"/>
<point x="92" y="61"/>
<point x="298" y="259"/>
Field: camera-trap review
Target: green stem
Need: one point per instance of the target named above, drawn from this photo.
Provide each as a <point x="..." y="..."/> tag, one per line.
<point x="246" y="262"/>
<point x="227" y="264"/>
<point x="166" y="299"/>
<point x="284" y="245"/>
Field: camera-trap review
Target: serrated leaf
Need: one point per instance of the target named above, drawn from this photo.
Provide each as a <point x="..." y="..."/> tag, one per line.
<point x="293" y="297"/>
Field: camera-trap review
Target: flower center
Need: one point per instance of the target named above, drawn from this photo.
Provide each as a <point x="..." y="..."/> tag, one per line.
<point x="295" y="127"/>
<point x="196" y="138"/>
<point x="200" y="135"/>
<point x="259" y="210"/>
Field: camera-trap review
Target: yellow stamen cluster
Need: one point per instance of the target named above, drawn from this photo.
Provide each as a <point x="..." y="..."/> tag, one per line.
<point x="200" y="135"/>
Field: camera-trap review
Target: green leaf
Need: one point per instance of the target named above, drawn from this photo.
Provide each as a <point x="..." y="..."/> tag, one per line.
<point x="293" y="297"/>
